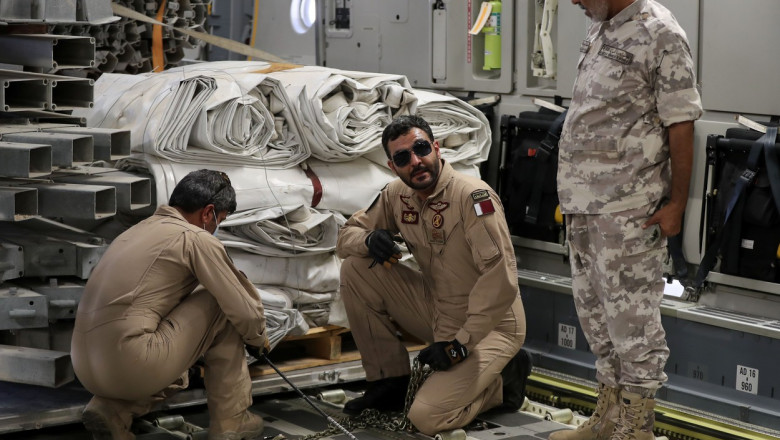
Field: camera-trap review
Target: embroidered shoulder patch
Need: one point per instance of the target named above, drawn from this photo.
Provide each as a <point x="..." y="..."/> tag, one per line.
<point x="615" y="54"/>
<point x="480" y="194"/>
<point x="484" y="207"/>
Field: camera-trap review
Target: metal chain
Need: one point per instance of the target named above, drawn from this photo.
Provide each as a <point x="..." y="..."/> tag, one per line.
<point x="371" y="418"/>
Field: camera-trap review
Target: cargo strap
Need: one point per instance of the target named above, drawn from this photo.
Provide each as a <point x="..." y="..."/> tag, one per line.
<point x="766" y="144"/>
<point x="546" y="152"/>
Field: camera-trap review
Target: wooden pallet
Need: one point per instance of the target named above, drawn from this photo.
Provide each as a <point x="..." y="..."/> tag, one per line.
<point x="320" y="346"/>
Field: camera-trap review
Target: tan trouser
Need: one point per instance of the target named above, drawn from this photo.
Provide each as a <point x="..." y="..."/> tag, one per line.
<point x="448" y="399"/>
<point x="140" y="360"/>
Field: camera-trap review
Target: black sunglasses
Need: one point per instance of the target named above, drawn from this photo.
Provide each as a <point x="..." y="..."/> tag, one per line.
<point x="421" y="148"/>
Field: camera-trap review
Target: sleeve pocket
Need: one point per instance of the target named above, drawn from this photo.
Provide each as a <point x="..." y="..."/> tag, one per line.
<point x="484" y="247"/>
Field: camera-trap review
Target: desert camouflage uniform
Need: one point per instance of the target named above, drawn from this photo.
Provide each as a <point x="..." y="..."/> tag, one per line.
<point x="636" y="78"/>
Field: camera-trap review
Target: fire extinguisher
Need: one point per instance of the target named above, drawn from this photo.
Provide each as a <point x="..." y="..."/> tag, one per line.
<point x="492" y="31"/>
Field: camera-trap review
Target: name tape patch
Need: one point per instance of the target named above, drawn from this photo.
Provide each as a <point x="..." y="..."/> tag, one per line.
<point x="615" y="54"/>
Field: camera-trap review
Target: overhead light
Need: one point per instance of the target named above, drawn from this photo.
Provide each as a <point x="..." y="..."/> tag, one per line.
<point x="303" y="14"/>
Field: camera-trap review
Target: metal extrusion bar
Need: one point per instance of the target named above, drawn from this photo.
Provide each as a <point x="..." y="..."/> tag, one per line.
<point x="17" y="203"/>
<point x="63" y="297"/>
<point x="66" y="149"/>
<point x="58" y="11"/>
<point x="110" y="143"/>
<point x="24" y="160"/>
<point x="22" y="308"/>
<point x="95" y="11"/>
<point x="34" y="366"/>
<point x="75" y="201"/>
<point x="19" y="94"/>
<point x="50" y="52"/>
<point x="21" y="10"/>
<point x="70" y="93"/>
<point x="11" y="261"/>
<point x="132" y="192"/>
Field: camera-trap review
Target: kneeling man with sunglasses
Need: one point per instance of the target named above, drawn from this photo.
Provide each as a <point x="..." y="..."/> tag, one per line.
<point x="463" y="299"/>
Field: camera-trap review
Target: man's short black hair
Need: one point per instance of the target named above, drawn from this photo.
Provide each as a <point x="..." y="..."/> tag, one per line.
<point x="402" y="125"/>
<point x="203" y="187"/>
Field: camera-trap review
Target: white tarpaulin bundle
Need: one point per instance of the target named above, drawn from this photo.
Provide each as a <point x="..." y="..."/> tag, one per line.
<point x="344" y="112"/>
<point x="313" y="272"/>
<point x="282" y="231"/>
<point x="255" y="187"/>
<point x="281" y="318"/>
<point x="462" y="130"/>
<point x="349" y="186"/>
<point x="243" y="117"/>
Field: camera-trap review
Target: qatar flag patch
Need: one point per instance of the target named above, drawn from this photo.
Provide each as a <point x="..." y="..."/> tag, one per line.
<point x="482" y="203"/>
<point x="484" y="207"/>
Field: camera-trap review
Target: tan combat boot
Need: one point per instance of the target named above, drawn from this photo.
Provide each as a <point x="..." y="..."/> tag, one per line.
<point x="107" y="419"/>
<point x="636" y="418"/>
<point x="244" y="425"/>
<point x="600" y="425"/>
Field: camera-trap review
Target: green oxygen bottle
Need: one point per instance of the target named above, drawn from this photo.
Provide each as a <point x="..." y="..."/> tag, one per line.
<point x="492" y="31"/>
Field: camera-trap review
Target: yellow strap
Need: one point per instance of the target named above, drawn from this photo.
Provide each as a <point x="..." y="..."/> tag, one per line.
<point x="224" y="43"/>
<point x="158" y="60"/>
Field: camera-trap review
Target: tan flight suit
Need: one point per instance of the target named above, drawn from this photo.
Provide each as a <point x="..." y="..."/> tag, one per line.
<point x="164" y="294"/>
<point x="636" y="78"/>
<point x="466" y="289"/>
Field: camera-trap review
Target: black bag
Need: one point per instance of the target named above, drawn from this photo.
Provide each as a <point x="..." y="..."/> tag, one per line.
<point x="751" y="233"/>
<point x="529" y="189"/>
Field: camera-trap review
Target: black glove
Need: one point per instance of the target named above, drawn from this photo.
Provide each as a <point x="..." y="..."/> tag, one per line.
<point x="442" y="355"/>
<point x="257" y="352"/>
<point x="382" y="247"/>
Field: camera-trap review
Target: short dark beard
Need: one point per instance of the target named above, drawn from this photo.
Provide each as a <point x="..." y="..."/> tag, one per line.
<point x="421" y="187"/>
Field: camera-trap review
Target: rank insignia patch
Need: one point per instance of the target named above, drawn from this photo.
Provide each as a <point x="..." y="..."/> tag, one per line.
<point x="409" y="217"/>
<point x="436" y="236"/>
<point x="480" y="195"/>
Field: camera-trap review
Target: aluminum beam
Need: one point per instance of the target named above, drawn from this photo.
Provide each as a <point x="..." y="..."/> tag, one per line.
<point x="20" y="93"/>
<point x="34" y="366"/>
<point x="22" y="308"/>
<point x="49" y="52"/>
<point x="67" y="149"/>
<point x="11" y="261"/>
<point x="110" y="143"/>
<point x="63" y="297"/>
<point x="24" y="160"/>
<point x="17" y="203"/>
<point x="75" y="201"/>
<point x="70" y="93"/>
<point x="95" y="11"/>
<point x="132" y="192"/>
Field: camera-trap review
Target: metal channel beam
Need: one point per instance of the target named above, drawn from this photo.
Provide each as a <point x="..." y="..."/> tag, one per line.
<point x="75" y="201"/>
<point x="24" y="160"/>
<point x="20" y="94"/>
<point x="11" y="261"/>
<point x="62" y="297"/>
<point x="59" y="11"/>
<point x="17" y="203"/>
<point x="110" y="143"/>
<point x="132" y="192"/>
<point x="34" y="366"/>
<point x="22" y="308"/>
<point x="70" y="93"/>
<point x="21" y="10"/>
<point x="50" y="52"/>
<point x="67" y="149"/>
<point x="96" y="11"/>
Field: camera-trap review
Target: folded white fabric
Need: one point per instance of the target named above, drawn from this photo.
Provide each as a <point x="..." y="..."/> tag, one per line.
<point x="255" y="187"/>
<point x="462" y="130"/>
<point x="344" y="112"/>
<point x="281" y="318"/>
<point x="318" y="273"/>
<point x="349" y="186"/>
<point x="281" y="231"/>
<point x="203" y="113"/>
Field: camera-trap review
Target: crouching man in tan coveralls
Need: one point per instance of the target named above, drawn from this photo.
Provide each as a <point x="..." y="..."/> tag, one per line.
<point x="164" y="294"/>
<point x="464" y="299"/>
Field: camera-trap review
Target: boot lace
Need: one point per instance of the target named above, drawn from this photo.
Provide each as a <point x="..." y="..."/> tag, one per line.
<point x="630" y="418"/>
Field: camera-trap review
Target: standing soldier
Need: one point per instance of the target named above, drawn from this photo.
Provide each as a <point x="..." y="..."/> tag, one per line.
<point x="625" y="163"/>
<point x="464" y="298"/>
